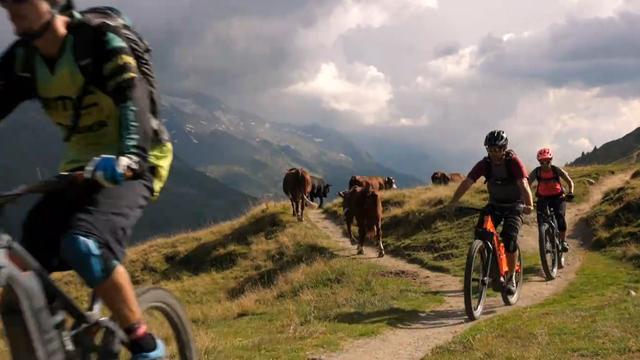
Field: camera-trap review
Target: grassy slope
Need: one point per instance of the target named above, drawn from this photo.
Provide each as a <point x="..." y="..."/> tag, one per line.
<point x="616" y="222"/>
<point x="266" y="286"/>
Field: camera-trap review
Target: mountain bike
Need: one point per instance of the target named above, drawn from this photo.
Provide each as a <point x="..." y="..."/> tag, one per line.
<point x="42" y="323"/>
<point x="552" y="257"/>
<point x="486" y="266"/>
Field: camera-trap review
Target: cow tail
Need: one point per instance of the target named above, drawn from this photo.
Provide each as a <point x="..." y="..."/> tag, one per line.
<point x="309" y="202"/>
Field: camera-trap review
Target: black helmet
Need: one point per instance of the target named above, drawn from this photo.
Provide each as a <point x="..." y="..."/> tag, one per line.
<point x="496" y="138"/>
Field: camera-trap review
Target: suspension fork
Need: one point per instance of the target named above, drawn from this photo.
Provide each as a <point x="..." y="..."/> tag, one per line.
<point x="486" y="272"/>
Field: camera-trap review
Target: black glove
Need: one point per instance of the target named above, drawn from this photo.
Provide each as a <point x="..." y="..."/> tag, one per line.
<point x="569" y="197"/>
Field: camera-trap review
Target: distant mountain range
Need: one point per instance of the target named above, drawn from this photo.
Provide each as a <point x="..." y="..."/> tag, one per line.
<point x="251" y="154"/>
<point x="625" y="149"/>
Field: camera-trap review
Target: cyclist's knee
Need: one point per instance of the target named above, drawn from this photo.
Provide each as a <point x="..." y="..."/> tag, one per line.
<point x="84" y="255"/>
<point x="510" y="244"/>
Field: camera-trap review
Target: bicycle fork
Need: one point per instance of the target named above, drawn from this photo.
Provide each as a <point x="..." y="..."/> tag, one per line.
<point x="486" y="272"/>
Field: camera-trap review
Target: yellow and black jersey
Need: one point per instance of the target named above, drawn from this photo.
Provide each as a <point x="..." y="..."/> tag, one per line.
<point x="93" y="92"/>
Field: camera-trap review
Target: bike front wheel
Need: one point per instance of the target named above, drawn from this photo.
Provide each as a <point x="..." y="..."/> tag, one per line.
<point x="476" y="279"/>
<point x="519" y="274"/>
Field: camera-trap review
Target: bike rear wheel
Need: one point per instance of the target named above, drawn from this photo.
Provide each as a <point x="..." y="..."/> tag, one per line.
<point x="512" y="299"/>
<point x="548" y="251"/>
<point x="168" y="321"/>
<point x="476" y="279"/>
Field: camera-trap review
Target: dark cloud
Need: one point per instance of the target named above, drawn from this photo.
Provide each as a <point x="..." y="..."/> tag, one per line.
<point x="598" y="52"/>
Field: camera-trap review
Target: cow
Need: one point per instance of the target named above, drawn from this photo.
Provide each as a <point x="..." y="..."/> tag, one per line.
<point x="297" y="185"/>
<point x="363" y="204"/>
<point x="319" y="189"/>
<point x="456" y="177"/>
<point x="375" y="182"/>
<point x="440" y="178"/>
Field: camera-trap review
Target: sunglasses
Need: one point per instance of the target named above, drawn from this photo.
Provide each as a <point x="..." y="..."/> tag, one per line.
<point x="544" y="162"/>
<point x="495" y="149"/>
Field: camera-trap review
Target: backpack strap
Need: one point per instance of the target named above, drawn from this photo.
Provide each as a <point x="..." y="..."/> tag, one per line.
<point x="25" y="63"/>
<point x="508" y="162"/>
<point x="85" y="40"/>
<point x="487" y="169"/>
<point x="556" y="173"/>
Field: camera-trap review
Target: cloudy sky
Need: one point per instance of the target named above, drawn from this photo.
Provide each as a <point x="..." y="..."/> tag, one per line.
<point x="435" y="75"/>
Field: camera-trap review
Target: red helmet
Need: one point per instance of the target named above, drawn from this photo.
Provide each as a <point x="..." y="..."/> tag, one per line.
<point x="544" y="154"/>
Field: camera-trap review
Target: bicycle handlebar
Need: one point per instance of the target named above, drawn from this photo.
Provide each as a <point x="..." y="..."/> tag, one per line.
<point x="57" y="182"/>
<point x="471" y="208"/>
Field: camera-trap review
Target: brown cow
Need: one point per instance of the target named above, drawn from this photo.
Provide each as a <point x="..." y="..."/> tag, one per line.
<point x="440" y="178"/>
<point x="456" y="177"/>
<point x="297" y="185"/>
<point x="365" y="206"/>
<point x="375" y="182"/>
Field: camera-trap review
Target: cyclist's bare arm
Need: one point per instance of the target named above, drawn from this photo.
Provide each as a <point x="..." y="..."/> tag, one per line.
<point x="525" y="192"/>
<point x="464" y="186"/>
<point x="567" y="179"/>
<point x="532" y="177"/>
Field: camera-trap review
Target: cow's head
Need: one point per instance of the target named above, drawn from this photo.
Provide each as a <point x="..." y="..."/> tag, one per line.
<point x="325" y="190"/>
<point x="390" y="183"/>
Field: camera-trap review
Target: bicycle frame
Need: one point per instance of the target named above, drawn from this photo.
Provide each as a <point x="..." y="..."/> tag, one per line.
<point x="495" y="246"/>
<point x="549" y="218"/>
<point x="496" y="249"/>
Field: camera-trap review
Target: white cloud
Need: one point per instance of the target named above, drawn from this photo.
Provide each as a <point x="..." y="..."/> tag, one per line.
<point x="570" y="121"/>
<point x="582" y="143"/>
<point x="453" y="66"/>
<point x="365" y="92"/>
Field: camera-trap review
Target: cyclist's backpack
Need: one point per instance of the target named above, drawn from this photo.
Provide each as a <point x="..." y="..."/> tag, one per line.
<point x="508" y="159"/>
<point x="112" y="20"/>
<point x="108" y="19"/>
<point x="554" y="169"/>
<point x="555" y="178"/>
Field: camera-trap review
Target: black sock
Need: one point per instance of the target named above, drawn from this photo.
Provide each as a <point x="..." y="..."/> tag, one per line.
<point x="143" y="342"/>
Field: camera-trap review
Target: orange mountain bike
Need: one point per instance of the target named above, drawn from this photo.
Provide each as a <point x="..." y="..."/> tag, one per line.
<point x="487" y="265"/>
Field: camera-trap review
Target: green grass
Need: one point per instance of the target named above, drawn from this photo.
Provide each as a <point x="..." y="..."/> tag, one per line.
<point x="580" y="175"/>
<point x="616" y="222"/>
<point x="594" y="318"/>
<point x="266" y="286"/>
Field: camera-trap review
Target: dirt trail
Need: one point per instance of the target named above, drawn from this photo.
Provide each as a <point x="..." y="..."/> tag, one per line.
<point x="416" y="338"/>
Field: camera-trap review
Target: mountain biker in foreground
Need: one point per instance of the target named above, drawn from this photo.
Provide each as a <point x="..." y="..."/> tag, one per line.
<point x="106" y="119"/>
<point x="550" y="192"/>
<point x="509" y="194"/>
